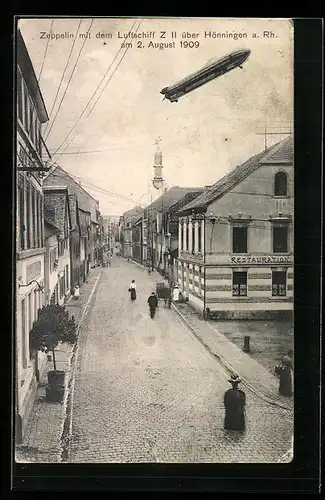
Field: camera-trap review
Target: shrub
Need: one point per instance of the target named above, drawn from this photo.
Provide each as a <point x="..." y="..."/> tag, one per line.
<point x="52" y="326"/>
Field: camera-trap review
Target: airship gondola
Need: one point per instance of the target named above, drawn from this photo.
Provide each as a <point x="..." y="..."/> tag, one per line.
<point x="212" y="69"/>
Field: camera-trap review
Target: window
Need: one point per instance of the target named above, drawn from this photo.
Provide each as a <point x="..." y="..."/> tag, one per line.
<point x="239" y="283"/>
<point x="39" y="138"/>
<point x="199" y="238"/>
<point x="28" y="216"/>
<point x="62" y="286"/>
<point x="67" y="276"/>
<point x="239" y="239"/>
<point x="26" y="108"/>
<point x="61" y="247"/>
<point x="23" y="333"/>
<point x="31" y="123"/>
<point x="21" y="203"/>
<point x="34" y="218"/>
<point x="187" y="231"/>
<point x="280" y="184"/>
<point x="279" y="283"/>
<point x="41" y="222"/>
<point x="280" y="239"/>
<point x="182" y="236"/>
<point x="20" y="96"/>
<point x="193" y="236"/>
<point x="35" y="131"/>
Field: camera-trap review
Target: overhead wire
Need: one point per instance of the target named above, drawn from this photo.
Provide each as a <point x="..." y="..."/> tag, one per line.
<point x="44" y="57"/>
<point x="61" y="81"/>
<point x="82" y="113"/>
<point x="95" y="188"/>
<point x="70" y="78"/>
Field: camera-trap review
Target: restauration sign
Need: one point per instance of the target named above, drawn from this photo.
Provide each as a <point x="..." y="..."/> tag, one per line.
<point x="262" y="259"/>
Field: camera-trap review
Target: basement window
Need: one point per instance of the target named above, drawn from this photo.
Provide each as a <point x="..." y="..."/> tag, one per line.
<point x="279" y="283"/>
<point x="239" y="283"/>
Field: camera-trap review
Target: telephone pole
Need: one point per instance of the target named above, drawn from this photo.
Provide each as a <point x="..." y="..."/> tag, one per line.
<point x="267" y="132"/>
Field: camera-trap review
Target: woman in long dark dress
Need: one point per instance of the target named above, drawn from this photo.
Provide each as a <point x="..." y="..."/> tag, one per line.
<point x="286" y="377"/>
<point x="133" y="290"/>
<point x="235" y="401"/>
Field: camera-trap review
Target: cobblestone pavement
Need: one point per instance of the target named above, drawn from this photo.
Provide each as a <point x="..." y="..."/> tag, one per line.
<point x="41" y="442"/>
<point x="149" y="391"/>
<point x="249" y="369"/>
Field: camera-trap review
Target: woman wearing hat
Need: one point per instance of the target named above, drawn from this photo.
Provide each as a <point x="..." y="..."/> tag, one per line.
<point x="286" y="375"/>
<point x="234" y="401"/>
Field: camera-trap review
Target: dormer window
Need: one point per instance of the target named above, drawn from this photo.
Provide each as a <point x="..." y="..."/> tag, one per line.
<point x="281" y="184"/>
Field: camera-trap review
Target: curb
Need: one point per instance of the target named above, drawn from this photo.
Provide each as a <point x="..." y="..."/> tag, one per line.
<point x="66" y="432"/>
<point x="229" y="367"/>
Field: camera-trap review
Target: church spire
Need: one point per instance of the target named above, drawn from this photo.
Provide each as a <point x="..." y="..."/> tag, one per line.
<point x="158" y="166"/>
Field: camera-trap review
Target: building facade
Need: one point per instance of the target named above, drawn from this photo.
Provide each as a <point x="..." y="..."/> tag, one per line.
<point x="236" y="240"/>
<point x="58" y="176"/>
<point x="51" y="263"/>
<point x="30" y="250"/>
<point x="75" y="243"/>
<point x="126" y="230"/>
<point x="85" y="236"/>
<point x="57" y="214"/>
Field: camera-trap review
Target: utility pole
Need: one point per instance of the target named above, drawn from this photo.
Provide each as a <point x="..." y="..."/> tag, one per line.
<point x="266" y="132"/>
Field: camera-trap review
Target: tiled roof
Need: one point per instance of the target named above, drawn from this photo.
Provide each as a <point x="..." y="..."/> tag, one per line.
<point x="168" y="199"/>
<point x="55" y="204"/>
<point x="134" y="213"/>
<point x="86" y="202"/>
<point x="282" y="152"/>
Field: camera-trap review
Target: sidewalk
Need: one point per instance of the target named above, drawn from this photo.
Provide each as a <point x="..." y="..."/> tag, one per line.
<point x="253" y="374"/>
<point x="45" y="427"/>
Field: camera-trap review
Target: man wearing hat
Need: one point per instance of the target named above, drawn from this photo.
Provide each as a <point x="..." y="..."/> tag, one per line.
<point x="234" y="401"/>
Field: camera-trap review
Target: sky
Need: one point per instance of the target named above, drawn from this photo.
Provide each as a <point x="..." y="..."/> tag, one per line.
<point x="204" y="135"/>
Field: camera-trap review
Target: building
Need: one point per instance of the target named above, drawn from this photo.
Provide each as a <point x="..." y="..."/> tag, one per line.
<point x="170" y="235"/>
<point x="156" y="232"/>
<point x="126" y="230"/>
<point x="111" y="234"/>
<point x="86" y="203"/>
<point x="85" y="236"/>
<point x="57" y="257"/>
<point x="75" y="244"/>
<point x="236" y="240"/>
<point x="30" y="250"/>
<point x="137" y="239"/>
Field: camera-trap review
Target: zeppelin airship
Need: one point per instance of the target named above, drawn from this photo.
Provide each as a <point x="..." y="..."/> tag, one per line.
<point x="212" y="69"/>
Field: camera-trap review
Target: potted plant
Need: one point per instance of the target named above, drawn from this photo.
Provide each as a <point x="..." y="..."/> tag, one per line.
<point x="52" y="326"/>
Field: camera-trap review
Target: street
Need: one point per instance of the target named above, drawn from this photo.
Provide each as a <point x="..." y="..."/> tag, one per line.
<point x="148" y="391"/>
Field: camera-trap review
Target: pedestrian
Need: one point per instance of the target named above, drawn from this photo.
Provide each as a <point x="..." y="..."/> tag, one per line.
<point x="285" y="370"/>
<point x="76" y="293"/>
<point x="133" y="290"/>
<point x="153" y="303"/>
<point x="176" y="293"/>
<point x="234" y="401"/>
